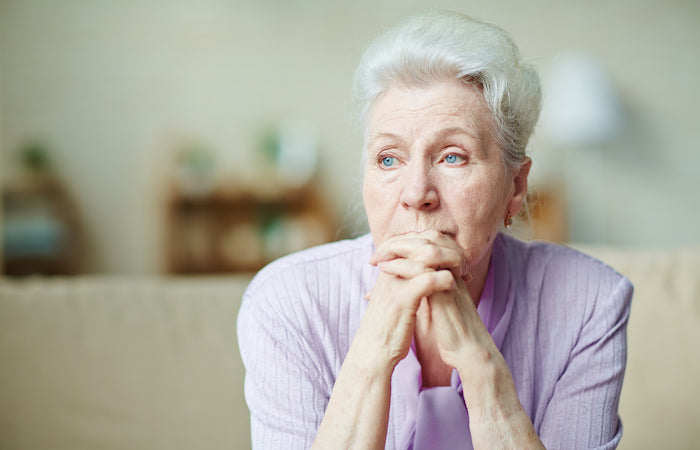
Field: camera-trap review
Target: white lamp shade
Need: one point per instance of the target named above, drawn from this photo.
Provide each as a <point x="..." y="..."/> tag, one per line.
<point x="580" y="107"/>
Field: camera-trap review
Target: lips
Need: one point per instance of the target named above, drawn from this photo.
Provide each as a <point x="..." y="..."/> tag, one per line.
<point x="421" y="230"/>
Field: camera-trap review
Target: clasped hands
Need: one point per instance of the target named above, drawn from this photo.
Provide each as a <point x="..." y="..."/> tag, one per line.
<point x="421" y="292"/>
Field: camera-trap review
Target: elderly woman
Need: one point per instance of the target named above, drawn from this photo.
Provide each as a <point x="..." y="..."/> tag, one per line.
<point x="438" y="331"/>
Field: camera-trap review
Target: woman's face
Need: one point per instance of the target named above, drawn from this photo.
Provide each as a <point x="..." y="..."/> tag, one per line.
<point x="432" y="164"/>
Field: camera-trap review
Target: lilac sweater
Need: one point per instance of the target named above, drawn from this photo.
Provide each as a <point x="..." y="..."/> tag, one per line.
<point x="565" y="343"/>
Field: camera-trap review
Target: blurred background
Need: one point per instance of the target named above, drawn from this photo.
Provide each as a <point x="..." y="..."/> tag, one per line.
<point x="213" y="136"/>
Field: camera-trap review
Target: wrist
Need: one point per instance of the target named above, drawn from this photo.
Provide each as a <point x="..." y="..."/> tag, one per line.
<point x="489" y="389"/>
<point x="369" y="362"/>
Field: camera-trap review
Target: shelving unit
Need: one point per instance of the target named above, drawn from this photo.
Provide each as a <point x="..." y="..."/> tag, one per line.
<point x="42" y="233"/>
<point x="242" y="230"/>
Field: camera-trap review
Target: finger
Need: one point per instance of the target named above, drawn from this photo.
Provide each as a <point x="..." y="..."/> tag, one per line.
<point x="434" y="235"/>
<point x="438" y="257"/>
<point x="400" y="246"/>
<point x="445" y="254"/>
<point x="405" y="295"/>
<point x="405" y="246"/>
<point x="403" y="268"/>
<point x="455" y="254"/>
<point x="428" y="283"/>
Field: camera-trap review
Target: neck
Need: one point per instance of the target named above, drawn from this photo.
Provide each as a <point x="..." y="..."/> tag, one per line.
<point x="476" y="279"/>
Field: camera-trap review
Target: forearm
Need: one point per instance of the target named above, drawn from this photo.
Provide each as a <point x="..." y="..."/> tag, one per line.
<point x="496" y="418"/>
<point x="357" y="414"/>
<point x="511" y="432"/>
<point x="358" y="411"/>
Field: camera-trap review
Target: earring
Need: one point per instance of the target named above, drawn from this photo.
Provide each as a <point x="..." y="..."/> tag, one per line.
<point x="508" y="221"/>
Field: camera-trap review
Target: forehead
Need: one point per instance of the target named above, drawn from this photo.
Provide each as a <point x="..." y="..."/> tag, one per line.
<point x="415" y="110"/>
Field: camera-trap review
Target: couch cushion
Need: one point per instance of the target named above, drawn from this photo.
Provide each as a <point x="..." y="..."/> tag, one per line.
<point x="114" y="363"/>
<point x="659" y="404"/>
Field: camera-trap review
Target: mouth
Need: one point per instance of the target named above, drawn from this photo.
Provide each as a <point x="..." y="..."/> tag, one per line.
<point x="445" y="232"/>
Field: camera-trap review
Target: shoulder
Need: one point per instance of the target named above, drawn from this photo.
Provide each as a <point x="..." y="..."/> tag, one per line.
<point x="298" y="270"/>
<point x="561" y="282"/>
<point x="309" y="285"/>
<point x="564" y="303"/>
<point x="553" y="263"/>
<point x="539" y="251"/>
<point x="307" y="304"/>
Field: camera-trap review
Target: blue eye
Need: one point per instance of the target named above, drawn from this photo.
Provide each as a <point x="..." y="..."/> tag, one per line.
<point x="388" y="161"/>
<point x="453" y="159"/>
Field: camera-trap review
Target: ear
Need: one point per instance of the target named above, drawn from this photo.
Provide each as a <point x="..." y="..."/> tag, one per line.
<point x="517" y="199"/>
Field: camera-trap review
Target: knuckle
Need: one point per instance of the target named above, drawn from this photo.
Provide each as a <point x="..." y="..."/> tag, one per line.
<point x="432" y="234"/>
<point x="434" y="280"/>
<point x="444" y="278"/>
<point x="419" y="267"/>
<point x="435" y="252"/>
<point x="428" y="254"/>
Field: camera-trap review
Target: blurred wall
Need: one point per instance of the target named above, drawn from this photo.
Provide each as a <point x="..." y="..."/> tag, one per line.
<point x="112" y="87"/>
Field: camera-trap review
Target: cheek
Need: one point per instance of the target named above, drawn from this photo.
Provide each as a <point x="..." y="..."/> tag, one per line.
<point x="380" y="201"/>
<point x="477" y="208"/>
<point x="372" y="198"/>
<point x="367" y="192"/>
<point x="473" y="200"/>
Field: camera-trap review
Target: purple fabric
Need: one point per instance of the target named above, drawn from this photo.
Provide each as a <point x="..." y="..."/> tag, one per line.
<point x="565" y="344"/>
<point x="442" y="421"/>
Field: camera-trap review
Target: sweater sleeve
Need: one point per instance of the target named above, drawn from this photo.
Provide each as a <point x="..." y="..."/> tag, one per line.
<point x="285" y="384"/>
<point x="583" y="410"/>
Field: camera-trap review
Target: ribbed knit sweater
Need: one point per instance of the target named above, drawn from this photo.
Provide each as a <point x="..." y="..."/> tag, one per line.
<point x="565" y="344"/>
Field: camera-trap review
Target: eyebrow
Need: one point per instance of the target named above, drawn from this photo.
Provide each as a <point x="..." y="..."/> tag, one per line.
<point x="457" y="130"/>
<point x="384" y="135"/>
<point x="445" y="132"/>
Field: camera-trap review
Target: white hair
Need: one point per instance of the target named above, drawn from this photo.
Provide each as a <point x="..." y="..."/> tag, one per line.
<point x="440" y="46"/>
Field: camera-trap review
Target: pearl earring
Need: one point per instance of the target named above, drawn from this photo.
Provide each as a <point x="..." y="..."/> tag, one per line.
<point x="508" y="221"/>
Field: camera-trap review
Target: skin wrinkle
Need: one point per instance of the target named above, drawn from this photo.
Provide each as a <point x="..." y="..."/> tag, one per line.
<point x="376" y="139"/>
<point x="467" y="202"/>
<point x="404" y="86"/>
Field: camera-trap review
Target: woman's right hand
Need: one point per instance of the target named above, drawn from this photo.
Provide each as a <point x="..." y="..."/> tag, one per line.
<point x="387" y="326"/>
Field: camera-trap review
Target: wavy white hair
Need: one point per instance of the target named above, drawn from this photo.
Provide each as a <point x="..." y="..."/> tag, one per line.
<point x="441" y="45"/>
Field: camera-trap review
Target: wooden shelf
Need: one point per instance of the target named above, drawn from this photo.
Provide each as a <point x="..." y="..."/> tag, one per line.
<point x="42" y="231"/>
<point x="230" y="231"/>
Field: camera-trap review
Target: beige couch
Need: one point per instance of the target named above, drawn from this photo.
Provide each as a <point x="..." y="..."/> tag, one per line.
<point x="124" y="363"/>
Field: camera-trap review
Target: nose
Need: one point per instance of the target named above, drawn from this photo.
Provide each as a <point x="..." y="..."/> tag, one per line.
<point x="419" y="190"/>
